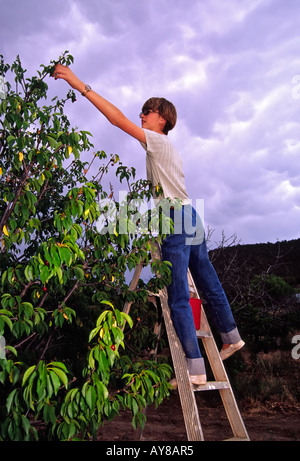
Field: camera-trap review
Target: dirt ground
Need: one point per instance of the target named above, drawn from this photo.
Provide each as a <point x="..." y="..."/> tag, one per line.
<point x="276" y="420"/>
<point x="166" y="423"/>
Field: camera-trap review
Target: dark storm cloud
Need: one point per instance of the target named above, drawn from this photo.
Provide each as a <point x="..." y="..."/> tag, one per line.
<point x="228" y="68"/>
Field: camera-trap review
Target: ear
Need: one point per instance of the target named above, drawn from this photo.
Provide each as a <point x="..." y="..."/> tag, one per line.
<point x="162" y="122"/>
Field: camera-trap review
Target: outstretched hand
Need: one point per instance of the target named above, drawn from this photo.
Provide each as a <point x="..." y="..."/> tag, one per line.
<point x="111" y="112"/>
<point x="66" y="74"/>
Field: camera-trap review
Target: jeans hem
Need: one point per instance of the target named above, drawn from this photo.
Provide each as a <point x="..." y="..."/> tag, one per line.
<point x="196" y="366"/>
<point x="231" y="337"/>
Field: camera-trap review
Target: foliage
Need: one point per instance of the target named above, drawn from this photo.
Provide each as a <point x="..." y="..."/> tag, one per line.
<point x="63" y="276"/>
<point x="257" y="280"/>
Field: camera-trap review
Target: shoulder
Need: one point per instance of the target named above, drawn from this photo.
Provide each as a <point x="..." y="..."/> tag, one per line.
<point x="155" y="141"/>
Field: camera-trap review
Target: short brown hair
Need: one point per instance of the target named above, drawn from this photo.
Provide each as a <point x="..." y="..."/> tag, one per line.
<point x="165" y="108"/>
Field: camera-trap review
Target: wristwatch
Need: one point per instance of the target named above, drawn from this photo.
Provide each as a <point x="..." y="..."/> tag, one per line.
<point x="86" y="90"/>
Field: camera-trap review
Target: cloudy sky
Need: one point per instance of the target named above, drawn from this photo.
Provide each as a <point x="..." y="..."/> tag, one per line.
<point x="232" y="69"/>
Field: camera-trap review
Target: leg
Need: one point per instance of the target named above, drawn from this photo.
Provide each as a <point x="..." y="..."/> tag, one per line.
<point x="177" y="253"/>
<point x="208" y="283"/>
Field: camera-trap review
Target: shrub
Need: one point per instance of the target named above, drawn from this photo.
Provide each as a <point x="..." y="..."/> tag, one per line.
<point x="63" y="278"/>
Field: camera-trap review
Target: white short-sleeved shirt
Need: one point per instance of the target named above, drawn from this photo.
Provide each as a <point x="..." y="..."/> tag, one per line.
<point x="164" y="166"/>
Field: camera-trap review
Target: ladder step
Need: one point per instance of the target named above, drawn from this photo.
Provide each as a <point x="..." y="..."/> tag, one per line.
<point x="203" y="334"/>
<point x="211" y="386"/>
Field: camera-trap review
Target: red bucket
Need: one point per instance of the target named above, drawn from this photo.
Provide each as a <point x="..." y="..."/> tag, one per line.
<point x="196" y="309"/>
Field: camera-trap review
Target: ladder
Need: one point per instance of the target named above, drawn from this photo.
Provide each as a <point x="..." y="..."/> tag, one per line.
<point x="185" y="388"/>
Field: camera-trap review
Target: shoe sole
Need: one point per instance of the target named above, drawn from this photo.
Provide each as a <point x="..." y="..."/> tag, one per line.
<point x="230" y="351"/>
<point x="174" y="384"/>
<point x="201" y="382"/>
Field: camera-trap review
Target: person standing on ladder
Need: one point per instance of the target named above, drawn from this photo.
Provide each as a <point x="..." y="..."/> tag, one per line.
<point x="182" y="249"/>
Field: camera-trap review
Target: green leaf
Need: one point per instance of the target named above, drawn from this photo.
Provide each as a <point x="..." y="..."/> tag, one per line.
<point x="65" y="255"/>
<point x="127" y="318"/>
<point x="90" y="397"/>
<point x="12" y="350"/>
<point x="4" y="317"/>
<point x="10" y="399"/>
<point x="25" y="424"/>
<point x="118" y="334"/>
<point x="60" y="275"/>
<point x="79" y="273"/>
<point x="94" y="332"/>
<point x="29" y="273"/>
<point x="44" y="274"/>
<point x="27" y="373"/>
<point x="57" y="365"/>
<point x="62" y="376"/>
<point x="139" y="419"/>
<point x="55" y="381"/>
<point x="52" y="142"/>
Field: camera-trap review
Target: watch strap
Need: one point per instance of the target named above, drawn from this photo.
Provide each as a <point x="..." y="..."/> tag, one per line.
<point x="86" y="90"/>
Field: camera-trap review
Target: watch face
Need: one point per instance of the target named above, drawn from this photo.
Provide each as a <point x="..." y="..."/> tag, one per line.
<point x="86" y="89"/>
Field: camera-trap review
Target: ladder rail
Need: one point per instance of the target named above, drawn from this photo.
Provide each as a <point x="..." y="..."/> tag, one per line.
<point x="226" y="393"/>
<point x="229" y="402"/>
<point x="186" y="394"/>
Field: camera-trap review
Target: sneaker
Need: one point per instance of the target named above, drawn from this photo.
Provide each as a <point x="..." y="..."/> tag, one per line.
<point x="198" y="380"/>
<point x="229" y="349"/>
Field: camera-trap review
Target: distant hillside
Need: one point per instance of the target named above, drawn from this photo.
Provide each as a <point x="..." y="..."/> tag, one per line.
<point x="280" y="258"/>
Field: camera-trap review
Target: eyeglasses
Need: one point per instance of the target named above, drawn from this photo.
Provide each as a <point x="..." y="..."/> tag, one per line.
<point x="148" y="111"/>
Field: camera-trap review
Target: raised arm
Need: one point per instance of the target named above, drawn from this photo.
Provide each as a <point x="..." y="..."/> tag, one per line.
<point x="111" y="112"/>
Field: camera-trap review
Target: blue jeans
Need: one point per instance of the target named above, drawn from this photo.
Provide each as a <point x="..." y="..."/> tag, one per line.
<point x="186" y="248"/>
